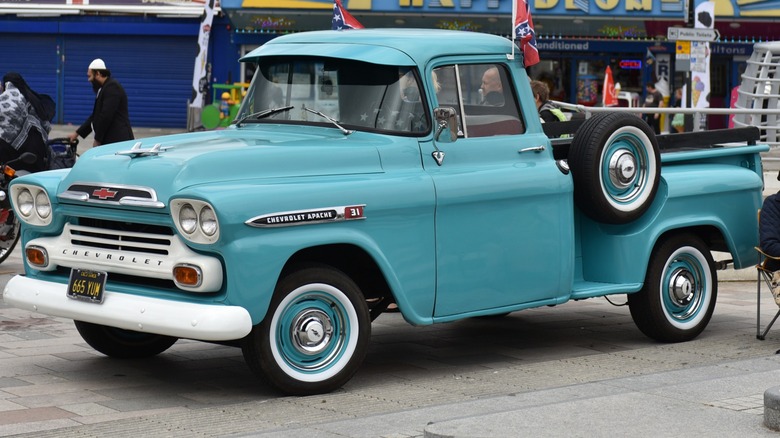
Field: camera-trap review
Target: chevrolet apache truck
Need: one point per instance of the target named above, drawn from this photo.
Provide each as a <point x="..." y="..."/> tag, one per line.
<point x="371" y="167"/>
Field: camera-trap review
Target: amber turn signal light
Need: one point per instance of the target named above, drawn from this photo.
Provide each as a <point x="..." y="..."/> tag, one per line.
<point x="36" y="256"/>
<point x="187" y="275"/>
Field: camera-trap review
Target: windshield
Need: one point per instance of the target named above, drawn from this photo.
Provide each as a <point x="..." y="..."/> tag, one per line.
<point x="357" y="95"/>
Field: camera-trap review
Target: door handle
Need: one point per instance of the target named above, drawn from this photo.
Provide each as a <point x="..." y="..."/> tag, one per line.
<point x="539" y="148"/>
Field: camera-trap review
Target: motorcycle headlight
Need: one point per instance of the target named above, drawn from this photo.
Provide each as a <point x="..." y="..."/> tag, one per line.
<point x="196" y="220"/>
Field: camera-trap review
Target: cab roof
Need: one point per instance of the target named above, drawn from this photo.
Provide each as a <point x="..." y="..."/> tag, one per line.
<point x="384" y="46"/>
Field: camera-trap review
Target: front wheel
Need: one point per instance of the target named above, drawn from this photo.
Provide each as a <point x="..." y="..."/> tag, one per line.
<point x="315" y="334"/>
<point x="678" y="297"/>
<point x="123" y="344"/>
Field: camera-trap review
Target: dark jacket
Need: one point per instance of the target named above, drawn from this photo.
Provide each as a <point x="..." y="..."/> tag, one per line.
<point x="769" y="229"/>
<point x="110" y="117"/>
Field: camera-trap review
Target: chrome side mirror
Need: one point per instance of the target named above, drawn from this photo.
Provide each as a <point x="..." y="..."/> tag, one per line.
<point x="446" y="119"/>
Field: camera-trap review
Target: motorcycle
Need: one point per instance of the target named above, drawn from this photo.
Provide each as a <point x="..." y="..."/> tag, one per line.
<point x="9" y="225"/>
<point x="63" y="155"/>
<point x="63" y="152"/>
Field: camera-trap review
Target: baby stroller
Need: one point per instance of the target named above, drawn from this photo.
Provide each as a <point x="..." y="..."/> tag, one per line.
<point x="63" y="152"/>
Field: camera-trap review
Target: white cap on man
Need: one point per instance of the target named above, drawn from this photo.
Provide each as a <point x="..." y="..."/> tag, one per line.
<point x="97" y="64"/>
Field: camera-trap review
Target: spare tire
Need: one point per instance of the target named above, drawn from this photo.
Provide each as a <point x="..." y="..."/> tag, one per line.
<point x="616" y="167"/>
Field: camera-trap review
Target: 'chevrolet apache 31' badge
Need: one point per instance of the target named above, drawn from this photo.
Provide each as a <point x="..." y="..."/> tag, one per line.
<point x="305" y="217"/>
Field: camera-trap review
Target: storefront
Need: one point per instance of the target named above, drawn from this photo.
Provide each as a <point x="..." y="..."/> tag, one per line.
<point x="151" y="53"/>
<point x="151" y="46"/>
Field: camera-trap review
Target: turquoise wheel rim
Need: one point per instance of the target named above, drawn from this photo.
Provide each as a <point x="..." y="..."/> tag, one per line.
<point x="685" y="288"/>
<point x="626" y="169"/>
<point x="314" y="332"/>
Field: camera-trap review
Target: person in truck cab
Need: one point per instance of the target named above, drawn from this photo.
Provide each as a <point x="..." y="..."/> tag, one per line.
<point x="492" y="91"/>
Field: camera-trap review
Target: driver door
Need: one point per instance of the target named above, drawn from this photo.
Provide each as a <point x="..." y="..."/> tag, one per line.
<point x="504" y="216"/>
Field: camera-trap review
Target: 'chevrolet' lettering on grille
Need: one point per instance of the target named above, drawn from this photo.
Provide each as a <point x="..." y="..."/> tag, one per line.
<point x="112" y="257"/>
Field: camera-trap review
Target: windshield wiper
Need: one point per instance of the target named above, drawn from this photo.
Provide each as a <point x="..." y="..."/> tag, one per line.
<point x="264" y="113"/>
<point x="330" y="119"/>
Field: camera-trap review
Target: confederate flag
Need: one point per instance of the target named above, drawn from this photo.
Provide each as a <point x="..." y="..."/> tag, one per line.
<point x="342" y="19"/>
<point x="524" y="31"/>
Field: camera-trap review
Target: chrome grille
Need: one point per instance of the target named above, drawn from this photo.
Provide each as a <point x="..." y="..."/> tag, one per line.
<point x="121" y="236"/>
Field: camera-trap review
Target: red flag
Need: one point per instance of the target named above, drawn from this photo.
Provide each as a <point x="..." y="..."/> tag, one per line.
<point x="524" y="31"/>
<point x="608" y="94"/>
<point x="342" y="19"/>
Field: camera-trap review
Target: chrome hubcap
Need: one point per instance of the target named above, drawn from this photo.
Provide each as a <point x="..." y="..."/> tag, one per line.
<point x="312" y="331"/>
<point x="681" y="287"/>
<point x="622" y="168"/>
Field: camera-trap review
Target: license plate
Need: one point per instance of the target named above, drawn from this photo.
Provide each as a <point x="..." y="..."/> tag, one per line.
<point x="87" y="285"/>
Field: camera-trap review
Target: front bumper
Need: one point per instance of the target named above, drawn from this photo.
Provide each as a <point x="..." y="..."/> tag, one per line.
<point x="206" y="322"/>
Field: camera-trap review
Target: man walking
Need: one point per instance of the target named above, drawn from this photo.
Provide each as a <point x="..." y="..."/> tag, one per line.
<point x="110" y="119"/>
<point x="654" y="99"/>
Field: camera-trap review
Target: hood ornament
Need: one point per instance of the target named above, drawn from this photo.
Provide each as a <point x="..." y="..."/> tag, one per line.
<point x="136" y="150"/>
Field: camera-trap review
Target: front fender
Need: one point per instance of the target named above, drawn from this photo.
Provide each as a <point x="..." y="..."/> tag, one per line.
<point x="397" y="232"/>
<point x="252" y="275"/>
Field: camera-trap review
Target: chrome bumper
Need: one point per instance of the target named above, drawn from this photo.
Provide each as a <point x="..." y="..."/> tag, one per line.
<point x="206" y="322"/>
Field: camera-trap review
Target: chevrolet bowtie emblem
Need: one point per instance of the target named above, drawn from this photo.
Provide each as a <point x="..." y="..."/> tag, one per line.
<point x="104" y="193"/>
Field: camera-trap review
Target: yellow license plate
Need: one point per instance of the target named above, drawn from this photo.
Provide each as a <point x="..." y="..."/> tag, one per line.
<point x="87" y="285"/>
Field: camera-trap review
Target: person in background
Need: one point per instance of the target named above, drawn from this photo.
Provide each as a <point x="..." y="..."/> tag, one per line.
<point x="492" y="90"/>
<point x="110" y="118"/>
<point x="654" y="99"/>
<point x="548" y="112"/>
<point x="769" y="238"/>
<point x="24" y="123"/>
<point x="678" y="121"/>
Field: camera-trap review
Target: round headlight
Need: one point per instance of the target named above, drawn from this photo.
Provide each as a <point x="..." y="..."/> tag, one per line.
<point x="42" y="205"/>
<point x="208" y="221"/>
<point x="24" y="202"/>
<point x="188" y="219"/>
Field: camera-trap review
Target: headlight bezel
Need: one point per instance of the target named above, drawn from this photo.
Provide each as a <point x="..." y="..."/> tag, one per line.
<point x="29" y="210"/>
<point x="206" y="229"/>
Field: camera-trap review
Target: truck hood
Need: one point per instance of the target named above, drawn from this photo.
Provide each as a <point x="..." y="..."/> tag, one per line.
<point x="245" y="153"/>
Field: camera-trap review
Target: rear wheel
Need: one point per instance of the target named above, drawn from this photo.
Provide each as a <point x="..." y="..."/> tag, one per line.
<point x="681" y="286"/>
<point x="315" y="334"/>
<point x="123" y="344"/>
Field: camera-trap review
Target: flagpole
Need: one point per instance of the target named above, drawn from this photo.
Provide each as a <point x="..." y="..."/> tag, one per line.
<point x="512" y="32"/>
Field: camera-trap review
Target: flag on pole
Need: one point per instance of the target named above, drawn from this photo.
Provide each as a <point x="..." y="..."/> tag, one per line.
<point x="649" y="58"/>
<point x="200" y="79"/>
<point x="342" y="19"/>
<point x="524" y="31"/>
<point x="608" y="94"/>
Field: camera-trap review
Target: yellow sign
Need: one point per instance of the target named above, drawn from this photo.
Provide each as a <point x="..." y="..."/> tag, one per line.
<point x="683" y="47"/>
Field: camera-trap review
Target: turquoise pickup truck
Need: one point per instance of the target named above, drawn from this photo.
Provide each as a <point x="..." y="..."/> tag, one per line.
<point x="373" y="168"/>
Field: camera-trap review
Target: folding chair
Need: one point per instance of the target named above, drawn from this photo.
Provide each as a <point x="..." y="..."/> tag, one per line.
<point x="765" y="277"/>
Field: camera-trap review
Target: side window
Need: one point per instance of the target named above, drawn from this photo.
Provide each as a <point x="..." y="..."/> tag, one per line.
<point x="482" y="96"/>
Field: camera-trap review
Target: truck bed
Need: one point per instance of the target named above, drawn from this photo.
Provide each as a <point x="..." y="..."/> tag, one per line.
<point x="667" y="143"/>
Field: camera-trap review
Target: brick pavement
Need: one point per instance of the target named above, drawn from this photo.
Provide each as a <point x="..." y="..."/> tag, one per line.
<point x="53" y="385"/>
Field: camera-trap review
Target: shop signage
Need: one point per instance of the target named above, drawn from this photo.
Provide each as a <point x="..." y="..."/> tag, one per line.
<point x="692" y="34"/>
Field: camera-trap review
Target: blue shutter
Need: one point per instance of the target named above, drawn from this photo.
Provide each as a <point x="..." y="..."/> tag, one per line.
<point x="155" y="71"/>
<point x="35" y="58"/>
